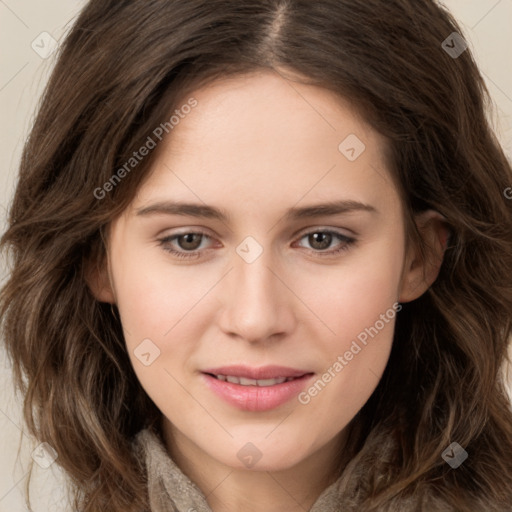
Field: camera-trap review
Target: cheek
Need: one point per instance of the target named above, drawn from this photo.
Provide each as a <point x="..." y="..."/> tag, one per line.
<point x="154" y="299"/>
<point x="359" y="304"/>
<point x="354" y="362"/>
<point x="351" y="297"/>
<point x="158" y="315"/>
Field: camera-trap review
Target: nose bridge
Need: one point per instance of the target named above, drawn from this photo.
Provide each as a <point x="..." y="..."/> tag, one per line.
<point x="256" y="304"/>
<point x="255" y="282"/>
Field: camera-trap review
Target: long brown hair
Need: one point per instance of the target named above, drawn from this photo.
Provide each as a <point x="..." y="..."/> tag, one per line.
<point x="123" y="67"/>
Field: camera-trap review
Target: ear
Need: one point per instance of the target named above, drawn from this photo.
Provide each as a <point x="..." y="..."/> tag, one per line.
<point x="97" y="277"/>
<point x="419" y="273"/>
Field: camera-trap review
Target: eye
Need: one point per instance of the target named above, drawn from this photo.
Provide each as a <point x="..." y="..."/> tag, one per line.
<point x="320" y="240"/>
<point x="189" y="243"/>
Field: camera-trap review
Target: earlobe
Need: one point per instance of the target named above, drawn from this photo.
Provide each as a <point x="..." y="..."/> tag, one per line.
<point x="421" y="272"/>
<point x="99" y="282"/>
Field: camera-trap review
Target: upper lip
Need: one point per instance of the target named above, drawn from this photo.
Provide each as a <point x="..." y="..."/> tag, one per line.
<point x="263" y="372"/>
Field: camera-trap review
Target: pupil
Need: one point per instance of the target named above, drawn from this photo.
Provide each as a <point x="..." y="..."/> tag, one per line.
<point x="189" y="240"/>
<point x="323" y="238"/>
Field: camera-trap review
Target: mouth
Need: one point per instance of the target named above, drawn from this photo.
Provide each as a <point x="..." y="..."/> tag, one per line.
<point x="256" y="389"/>
<point x="255" y="373"/>
<point x="243" y="381"/>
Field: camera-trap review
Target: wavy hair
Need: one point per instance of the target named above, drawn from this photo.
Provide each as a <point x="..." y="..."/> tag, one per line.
<point x="123" y="67"/>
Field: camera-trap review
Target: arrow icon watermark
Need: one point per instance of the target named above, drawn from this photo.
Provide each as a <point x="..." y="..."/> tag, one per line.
<point x="146" y="352"/>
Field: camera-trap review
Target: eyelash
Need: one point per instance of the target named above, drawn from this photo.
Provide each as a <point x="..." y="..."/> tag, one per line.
<point x="348" y="242"/>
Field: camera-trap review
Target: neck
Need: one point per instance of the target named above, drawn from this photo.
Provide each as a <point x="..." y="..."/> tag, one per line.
<point x="228" y="489"/>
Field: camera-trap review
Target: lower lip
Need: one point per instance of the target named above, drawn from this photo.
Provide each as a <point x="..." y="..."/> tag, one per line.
<point x="257" y="398"/>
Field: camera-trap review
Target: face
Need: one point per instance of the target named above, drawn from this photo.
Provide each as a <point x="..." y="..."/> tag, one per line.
<point x="288" y="262"/>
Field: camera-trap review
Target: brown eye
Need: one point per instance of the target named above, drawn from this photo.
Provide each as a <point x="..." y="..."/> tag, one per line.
<point x="189" y="241"/>
<point x="320" y="240"/>
<point x="185" y="245"/>
<point x="321" y="243"/>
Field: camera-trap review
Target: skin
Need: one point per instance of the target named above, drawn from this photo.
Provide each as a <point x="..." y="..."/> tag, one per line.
<point x="255" y="146"/>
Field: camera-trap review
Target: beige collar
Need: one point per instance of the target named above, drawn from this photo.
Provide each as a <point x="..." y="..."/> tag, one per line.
<point x="170" y="490"/>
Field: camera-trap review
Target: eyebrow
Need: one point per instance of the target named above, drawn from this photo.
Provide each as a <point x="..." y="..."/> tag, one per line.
<point x="296" y="213"/>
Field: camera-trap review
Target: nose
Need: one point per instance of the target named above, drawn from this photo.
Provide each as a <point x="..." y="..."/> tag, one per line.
<point x="257" y="304"/>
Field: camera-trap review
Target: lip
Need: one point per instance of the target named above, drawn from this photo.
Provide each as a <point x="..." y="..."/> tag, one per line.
<point x="257" y="398"/>
<point x="263" y="372"/>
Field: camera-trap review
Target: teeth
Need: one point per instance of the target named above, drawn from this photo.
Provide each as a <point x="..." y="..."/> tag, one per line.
<point x="253" y="382"/>
<point x="248" y="382"/>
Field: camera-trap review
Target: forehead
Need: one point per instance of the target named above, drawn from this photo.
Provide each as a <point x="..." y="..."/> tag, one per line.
<point x="282" y="105"/>
<point x="261" y="138"/>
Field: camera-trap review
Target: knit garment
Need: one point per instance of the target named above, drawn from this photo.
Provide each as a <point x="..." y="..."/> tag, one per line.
<point x="170" y="490"/>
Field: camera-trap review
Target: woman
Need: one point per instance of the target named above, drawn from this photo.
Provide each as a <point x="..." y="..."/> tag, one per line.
<point x="335" y="340"/>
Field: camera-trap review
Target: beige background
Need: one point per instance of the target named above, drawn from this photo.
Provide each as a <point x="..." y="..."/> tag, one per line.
<point x="487" y="25"/>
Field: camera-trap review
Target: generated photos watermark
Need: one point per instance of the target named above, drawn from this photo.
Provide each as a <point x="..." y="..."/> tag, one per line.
<point x="454" y="45"/>
<point x="151" y="142"/>
<point x="44" y="455"/>
<point x="249" y="455"/>
<point x="343" y="360"/>
<point x="454" y="455"/>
